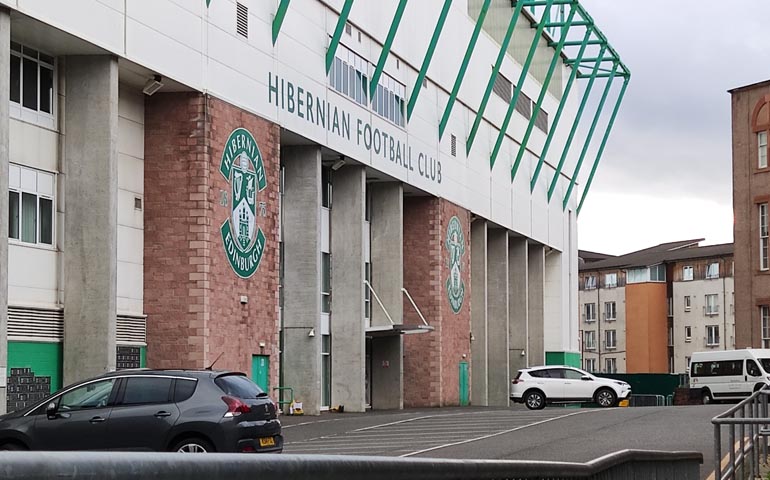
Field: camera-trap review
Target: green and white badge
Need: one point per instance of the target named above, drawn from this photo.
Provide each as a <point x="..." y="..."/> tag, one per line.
<point x="455" y="245"/>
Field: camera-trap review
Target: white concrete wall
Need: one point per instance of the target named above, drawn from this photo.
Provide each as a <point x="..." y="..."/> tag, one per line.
<point x="130" y="187"/>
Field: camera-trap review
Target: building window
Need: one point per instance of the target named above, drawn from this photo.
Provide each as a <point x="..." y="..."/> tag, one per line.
<point x="712" y="335"/>
<point x="32" y="74"/>
<point x="590" y="312"/>
<point x="610" y="311"/>
<point x="687" y="333"/>
<point x="764" y="313"/>
<point x="326" y="283"/>
<point x="611" y="280"/>
<point x="326" y="369"/>
<point x="326" y="187"/>
<point x="590" y="364"/>
<point x="712" y="305"/>
<point x="658" y="273"/>
<point x="610" y="365"/>
<point x="638" y="275"/>
<point x="590" y="282"/>
<point x="687" y="273"/>
<point x="30" y="208"/>
<point x="762" y="148"/>
<point x="589" y="340"/>
<point x="349" y="75"/>
<point x="687" y="303"/>
<point x="687" y="363"/>
<point x="670" y="336"/>
<point x="388" y="100"/>
<point x="611" y="339"/>
<point x="763" y="237"/>
<point x="367" y="291"/>
<point x="712" y="271"/>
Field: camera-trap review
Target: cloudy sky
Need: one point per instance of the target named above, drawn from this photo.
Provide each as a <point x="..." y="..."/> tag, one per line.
<point x="666" y="173"/>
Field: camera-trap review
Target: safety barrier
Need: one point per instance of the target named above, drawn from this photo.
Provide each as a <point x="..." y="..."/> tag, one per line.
<point x="647" y="401"/>
<point x="747" y="447"/>
<point x="627" y="464"/>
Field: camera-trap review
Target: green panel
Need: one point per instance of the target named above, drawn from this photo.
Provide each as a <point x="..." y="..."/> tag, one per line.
<point x="260" y="371"/>
<point x="647" y="383"/>
<point x="142" y="357"/>
<point x="386" y="48"/>
<point x="45" y="360"/>
<point x="464" y="390"/>
<point x="463" y="68"/>
<point x="428" y="58"/>
<point x="571" y="359"/>
<point x="335" y="42"/>
<point x="278" y="20"/>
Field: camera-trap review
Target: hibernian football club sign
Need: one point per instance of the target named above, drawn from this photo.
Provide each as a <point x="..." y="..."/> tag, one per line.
<point x="242" y="166"/>
<point x="455" y="245"/>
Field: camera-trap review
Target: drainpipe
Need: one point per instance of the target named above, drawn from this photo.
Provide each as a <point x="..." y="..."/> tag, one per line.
<point x="599" y="321"/>
<point x="724" y="301"/>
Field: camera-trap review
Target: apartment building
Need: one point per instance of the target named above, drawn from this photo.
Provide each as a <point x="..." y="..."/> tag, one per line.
<point x="648" y="311"/>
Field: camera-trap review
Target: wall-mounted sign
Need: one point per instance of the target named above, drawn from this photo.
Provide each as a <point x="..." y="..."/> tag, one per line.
<point x="243" y="169"/>
<point x="455" y="245"/>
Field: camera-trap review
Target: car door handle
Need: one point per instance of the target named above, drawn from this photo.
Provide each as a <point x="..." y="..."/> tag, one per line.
<point x="97" y="420"/>
<point x="162" y="414"/>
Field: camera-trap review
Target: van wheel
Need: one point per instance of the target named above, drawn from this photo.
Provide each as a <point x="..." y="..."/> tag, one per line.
<point x="706" y="397"/>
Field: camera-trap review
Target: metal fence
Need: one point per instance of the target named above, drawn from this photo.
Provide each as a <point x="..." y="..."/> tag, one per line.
<point x="747" y="429"/>
<point x="627" y="464"/>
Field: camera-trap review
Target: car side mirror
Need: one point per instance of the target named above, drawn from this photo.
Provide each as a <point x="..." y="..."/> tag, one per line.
<point x="50" y="410"/>
<point x="586" y="377"/>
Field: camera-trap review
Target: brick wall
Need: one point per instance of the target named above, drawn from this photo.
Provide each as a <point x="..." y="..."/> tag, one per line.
<point x="431" y="360"/>
<point x="192" y="296"/>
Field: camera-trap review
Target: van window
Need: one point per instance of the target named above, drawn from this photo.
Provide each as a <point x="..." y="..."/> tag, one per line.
<point x="717" y="369"/>
<point x="765" y="363"/>
<point x="752" y="368"/>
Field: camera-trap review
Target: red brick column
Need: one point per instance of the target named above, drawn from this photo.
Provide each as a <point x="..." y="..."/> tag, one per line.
<point x="192" y="295"/>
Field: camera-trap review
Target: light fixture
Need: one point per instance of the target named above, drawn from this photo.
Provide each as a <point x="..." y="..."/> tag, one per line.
<point x="338" y="164"/>
<point x="311" y="333"/>
<point x="153" y="85"/>
<point x="523" y="353"/>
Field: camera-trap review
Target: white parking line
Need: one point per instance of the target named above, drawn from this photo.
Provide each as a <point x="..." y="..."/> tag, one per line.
<point x="493" y="434"/>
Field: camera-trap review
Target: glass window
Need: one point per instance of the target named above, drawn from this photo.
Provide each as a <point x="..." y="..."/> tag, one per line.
<point x="712" y="271"/>
<point x="326" y="370"/>
<point x="570" y="374"/>
<point x="29" y="84"/>
<point x="610" y="365"/>
<point x="658" y="273"/>
<point x="687" y="333"/>
<point x="589" y="340"/>
<point x="611" y="280"/>
<point x="326" y="187"/>
<point x="28" y="218"/>
<point x="687" y="273"/>
<point x="326" y="282"/>
<point x="46" y="89"/>
<point x="13" y="217"/>
<point x="140" y="390"/>
<point x="92" y="395"/>
<point x="31" y="208"/>
<point x="590" y="364"/>
<point x="763" y="237"/>
<point x="590" y="314"/>
<point x="638" y="275"/>
<point x="590" y="282"/>
<point x="610" y="311"/>
<point x="239" y="386"/>
<point x="184" y="389"/>
<point x="347" y="76"/>
<point x="15" y="79"/>
<point x="367" y="291"/>
<point x="762" y="147"/>
<point x="611" y="339"/>
<point x="712" y="335"/>
<point x="752" y="368"/>
<point x="687" y="303"/>
<point x="764" y="313"/>
<point x="712" y="304"/>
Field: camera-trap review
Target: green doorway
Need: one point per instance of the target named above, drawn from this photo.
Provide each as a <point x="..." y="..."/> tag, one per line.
<point x="464" y="392"/>
<point x="260" y="371"/>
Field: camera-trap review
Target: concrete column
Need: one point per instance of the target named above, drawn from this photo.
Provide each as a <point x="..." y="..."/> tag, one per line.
<point x="536" y="287"/>
<point x="5" y="89"/>
<point x="347" y="323"/>
<point x="518" y="303"/>
<point x="479" y="358"/>
<point x="497" y="321"/>
<point x="387" y="258"/>
<point x="387" y="251"/>
<point x="90" y="226"/>
<point x="302" y="274"/>
<point x="555" y="330"/>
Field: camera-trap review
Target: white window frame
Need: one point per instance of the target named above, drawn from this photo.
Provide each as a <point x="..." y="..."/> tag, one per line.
<point x="687" y="303"/>
<point x="712" y="336"/>
<point x="688" y="333"/>
<point x="611" y="280"/>
<point x="326" y="294"/>
<point x="610" y="311"/>
<point x="611" y="365"/>
<point x="611" y="339"/>
<point x="764" y="315"/>
<point x="18" y="110"/>
<point x="590" y="364"/>
<point x="762" y="149"/>
<point x="17" y="187"/>
<point x="764" y="265"/>
<point x="590" y="282"/>
<point x="345" y="57"/>
<point x="589" y="340"/>
<point x="712" y="271"/>
<point x="711" y="306"/>
<point x="592" y="309"/>
<point x="687" y="273"/>
<point x="383" y="106"/>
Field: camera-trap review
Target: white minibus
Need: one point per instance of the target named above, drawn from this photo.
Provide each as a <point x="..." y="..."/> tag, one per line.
<point x="729" y="374"/>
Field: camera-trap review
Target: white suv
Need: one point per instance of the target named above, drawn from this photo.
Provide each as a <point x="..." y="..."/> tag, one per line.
<point x="537" y="386"/>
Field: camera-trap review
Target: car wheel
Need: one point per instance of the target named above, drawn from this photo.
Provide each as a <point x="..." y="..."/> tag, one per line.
<point x="706" y="397"/>
<point x="605" y="398"/>
<point x="12" y="446"/>
<point x="192" y="445"/>
<point x="534" y="400"/>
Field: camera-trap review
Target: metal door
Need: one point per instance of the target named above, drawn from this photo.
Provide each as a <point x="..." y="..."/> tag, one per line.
<point x="260" y="371"/>
<point x="464" y="392"/>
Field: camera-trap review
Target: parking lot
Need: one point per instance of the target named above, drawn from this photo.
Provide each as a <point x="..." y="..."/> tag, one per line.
<point x="564" y="434"/>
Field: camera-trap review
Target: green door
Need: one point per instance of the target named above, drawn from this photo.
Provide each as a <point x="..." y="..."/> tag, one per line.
<point x="464" y="392"/>
<point x="260" y="371"/>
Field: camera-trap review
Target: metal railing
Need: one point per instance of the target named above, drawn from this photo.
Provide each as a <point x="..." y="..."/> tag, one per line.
<point x="627" y="464"/>
<point x="747" y="430"/>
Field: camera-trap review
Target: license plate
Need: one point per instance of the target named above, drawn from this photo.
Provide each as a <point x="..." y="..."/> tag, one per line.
<point x="267" y="442"/>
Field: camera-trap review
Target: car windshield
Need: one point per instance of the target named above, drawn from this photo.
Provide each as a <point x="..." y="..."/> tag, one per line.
<point x="239" y="386"/>
<point x="765" y="364"/>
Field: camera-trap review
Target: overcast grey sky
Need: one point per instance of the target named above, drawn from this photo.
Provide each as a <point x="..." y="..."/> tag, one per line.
<point x="667" y="171"/>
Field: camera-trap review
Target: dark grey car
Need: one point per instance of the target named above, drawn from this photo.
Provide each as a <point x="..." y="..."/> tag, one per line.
<point x="158" y="410"/>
